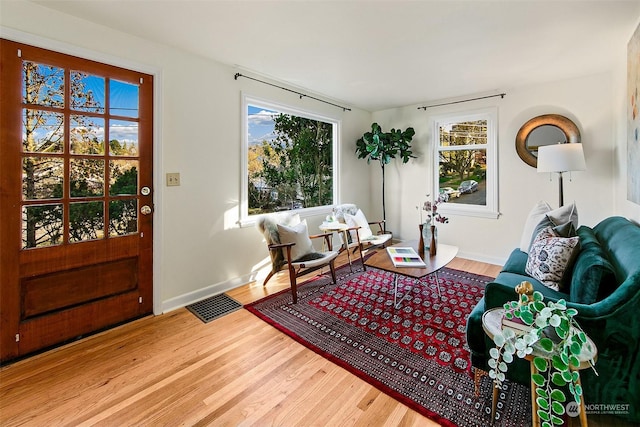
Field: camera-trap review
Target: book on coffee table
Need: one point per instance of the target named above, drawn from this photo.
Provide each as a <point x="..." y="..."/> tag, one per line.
<point x="405" y="257"/>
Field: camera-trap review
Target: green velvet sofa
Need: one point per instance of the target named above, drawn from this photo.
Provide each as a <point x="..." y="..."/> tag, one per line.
<point x="604" y="286"/>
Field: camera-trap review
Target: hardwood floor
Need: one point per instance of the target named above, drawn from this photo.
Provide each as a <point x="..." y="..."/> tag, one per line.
<point x="173" y="369"/>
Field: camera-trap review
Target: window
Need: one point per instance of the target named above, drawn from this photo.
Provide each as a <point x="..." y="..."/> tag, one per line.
<point x="289" y="159"/>
<point x="465" y="166"/>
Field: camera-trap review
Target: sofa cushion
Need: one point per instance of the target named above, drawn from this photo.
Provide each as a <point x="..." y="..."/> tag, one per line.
<point x="550" y="256"/>
<point x="587" y="237"/>
<point x="593" y="277"/>
<point x="517" y="262"/>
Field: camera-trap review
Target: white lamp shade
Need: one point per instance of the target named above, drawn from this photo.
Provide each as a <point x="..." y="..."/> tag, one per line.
<point x="561" y="158"/>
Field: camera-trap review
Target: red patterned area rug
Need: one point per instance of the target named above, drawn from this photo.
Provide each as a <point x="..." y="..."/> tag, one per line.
<point x="416" y="353"/>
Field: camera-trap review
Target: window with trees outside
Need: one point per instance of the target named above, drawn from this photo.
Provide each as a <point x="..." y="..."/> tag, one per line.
<point x="290" y="157"/>
<point x="465" y="162"/>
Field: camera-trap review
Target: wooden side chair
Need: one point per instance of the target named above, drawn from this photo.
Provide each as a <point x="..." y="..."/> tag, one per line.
<point x="366" y="238"/>
<point x="290" y="247"/>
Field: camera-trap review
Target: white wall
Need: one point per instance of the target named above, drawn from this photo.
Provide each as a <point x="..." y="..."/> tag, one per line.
<point x="198" y="248"/>
<point x="588" y="101"/>
<point x="623" y="206"/>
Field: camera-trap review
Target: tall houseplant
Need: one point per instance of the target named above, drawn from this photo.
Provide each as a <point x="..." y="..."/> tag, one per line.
<point x="382" y="147"/>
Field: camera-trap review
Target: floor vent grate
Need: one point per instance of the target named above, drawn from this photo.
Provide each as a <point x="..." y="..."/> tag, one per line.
<point x="214" y="307"/>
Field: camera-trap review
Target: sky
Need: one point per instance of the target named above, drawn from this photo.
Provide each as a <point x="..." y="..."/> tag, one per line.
<point x="260" y="124"/>
<point x="123" y="102"/>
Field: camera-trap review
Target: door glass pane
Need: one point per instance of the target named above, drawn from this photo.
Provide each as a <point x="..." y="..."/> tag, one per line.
<point x="123" y="177"/>
<point x="41" y="225"/>
<point x="123" y="99"/>
<point x="86" y="135"/>
<point x="86" y="221"/>
<point x="87" y="177"/>
<point x="43" y="84"/>
<point x="42" y="178"/>
<point x="123" y="138"/>
<point x="87" y="92"/>
<point x="123" y="217"/>
<point x="42" y="131"/>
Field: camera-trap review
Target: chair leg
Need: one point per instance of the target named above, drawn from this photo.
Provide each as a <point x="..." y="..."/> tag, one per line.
<point x="269" y="276"/>
<point x="294" y="285"/>
<point x="333" y="271"/>
<point x="364" y="267"/>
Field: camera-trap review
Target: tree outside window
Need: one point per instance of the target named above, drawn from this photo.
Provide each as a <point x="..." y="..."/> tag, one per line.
<point x="465" y="166"/>
<point x="290" y="159"/>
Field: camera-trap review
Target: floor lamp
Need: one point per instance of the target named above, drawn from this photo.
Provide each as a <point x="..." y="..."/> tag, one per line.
<point x="561" y="157"/>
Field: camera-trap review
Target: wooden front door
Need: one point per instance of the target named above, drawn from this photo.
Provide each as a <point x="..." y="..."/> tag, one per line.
<point x="76" y="197"/>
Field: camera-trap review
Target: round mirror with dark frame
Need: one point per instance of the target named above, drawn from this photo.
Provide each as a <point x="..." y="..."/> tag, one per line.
<point x="544" y="130"/>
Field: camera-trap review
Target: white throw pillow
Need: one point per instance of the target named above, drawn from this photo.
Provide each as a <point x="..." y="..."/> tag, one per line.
<point x="358" y="220"/>
<point x="535" y="216"/>
<point x="299" y="235"/>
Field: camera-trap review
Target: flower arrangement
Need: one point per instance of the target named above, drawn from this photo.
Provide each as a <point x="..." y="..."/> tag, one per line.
<point x="432" y="208"/>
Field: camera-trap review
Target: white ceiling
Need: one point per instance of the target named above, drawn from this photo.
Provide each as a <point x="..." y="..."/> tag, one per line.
<point x="383" y="54"/>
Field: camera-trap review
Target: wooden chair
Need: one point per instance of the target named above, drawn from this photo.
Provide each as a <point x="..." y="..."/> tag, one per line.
<point x="349" y="214"/>
<point x="290" y="247"/>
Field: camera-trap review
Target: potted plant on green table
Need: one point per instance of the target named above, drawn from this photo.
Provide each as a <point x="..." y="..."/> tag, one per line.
<point x="550" y="327"/>
<point x="382" y="147"/>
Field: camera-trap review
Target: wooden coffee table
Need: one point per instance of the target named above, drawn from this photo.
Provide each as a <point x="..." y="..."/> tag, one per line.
<point x="445" y="254"/>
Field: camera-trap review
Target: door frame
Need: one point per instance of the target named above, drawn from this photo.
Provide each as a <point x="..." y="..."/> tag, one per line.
<point x="74" y="50"/>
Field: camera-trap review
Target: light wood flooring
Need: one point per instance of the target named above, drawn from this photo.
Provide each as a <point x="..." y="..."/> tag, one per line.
<point x="174" y="370"/>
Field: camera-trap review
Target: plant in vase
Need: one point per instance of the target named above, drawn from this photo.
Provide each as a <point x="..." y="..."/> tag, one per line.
<point x="428" y="229"/>
<point x="550" y="327"/>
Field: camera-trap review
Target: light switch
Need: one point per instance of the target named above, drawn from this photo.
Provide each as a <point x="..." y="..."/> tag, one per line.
<point x="173" y="179"/>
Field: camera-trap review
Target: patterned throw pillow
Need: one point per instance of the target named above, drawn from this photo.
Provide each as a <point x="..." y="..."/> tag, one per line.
<point x="550" y="256"/>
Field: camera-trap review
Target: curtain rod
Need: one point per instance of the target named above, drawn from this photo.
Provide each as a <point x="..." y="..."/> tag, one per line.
<point x="301" y="95"/>
<point x="501" y="95"/>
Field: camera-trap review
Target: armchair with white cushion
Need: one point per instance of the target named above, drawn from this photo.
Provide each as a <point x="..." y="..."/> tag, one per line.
<point x="357" y="222"/>
<point x="290" y="247"/>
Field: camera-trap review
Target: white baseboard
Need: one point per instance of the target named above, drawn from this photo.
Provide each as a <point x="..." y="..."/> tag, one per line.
<point x="200" y="294"/>
<point x="482" y="258"/>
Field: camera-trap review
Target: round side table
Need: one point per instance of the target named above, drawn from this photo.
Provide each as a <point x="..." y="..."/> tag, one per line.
<point x="492" y="324"/>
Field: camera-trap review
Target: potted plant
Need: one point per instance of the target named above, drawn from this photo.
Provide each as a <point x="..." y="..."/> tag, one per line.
<point x="384" y="146"/>
<point x="550" y="327"/>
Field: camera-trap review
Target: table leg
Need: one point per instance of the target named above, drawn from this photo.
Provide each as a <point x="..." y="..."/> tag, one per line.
<point x="435" y="273"/>
<point x="494" y="403"/>
<point x="583" y="412"/>
<point x="346" y="246"/>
